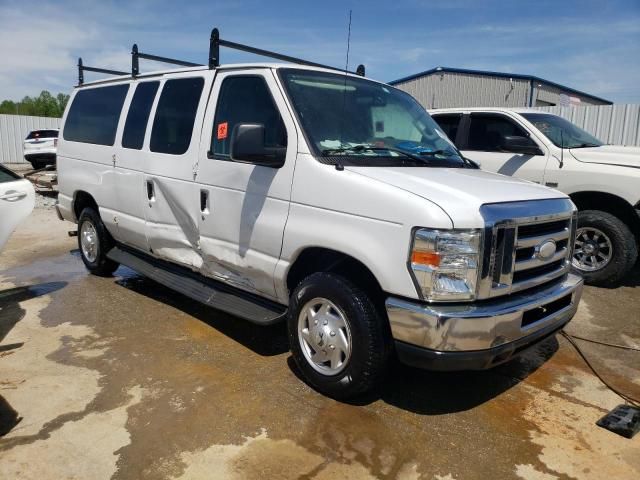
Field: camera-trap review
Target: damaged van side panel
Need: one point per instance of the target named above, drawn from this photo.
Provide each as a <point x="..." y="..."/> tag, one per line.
<point x="171" y="198"/>
<point x="242" y="225"/>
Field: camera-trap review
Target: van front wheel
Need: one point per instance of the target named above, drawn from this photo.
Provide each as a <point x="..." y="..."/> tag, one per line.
<point x="338" y="338"/>
<point x="94" y="242"/>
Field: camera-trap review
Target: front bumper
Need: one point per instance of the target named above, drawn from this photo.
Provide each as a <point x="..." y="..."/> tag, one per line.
<point x="483" y="334"/>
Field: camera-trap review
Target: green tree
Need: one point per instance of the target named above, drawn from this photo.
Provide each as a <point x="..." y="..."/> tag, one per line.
<point x="44" y="105"/>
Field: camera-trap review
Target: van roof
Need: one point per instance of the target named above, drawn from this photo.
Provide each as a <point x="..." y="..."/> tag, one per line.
<point x="225" y="67"/>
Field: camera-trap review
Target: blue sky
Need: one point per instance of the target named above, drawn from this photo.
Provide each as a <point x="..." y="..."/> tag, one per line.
<point x="588" y="45"/>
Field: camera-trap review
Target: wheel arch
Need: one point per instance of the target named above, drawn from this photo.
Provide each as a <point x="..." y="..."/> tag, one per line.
<point x="320" y="259"/>
<point x="82" y="200"/>
<point x="610" y="203"/>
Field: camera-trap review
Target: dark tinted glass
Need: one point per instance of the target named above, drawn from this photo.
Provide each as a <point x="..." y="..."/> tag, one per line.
<point x="246" y="99"/>
<point x="94" y="114"/>
<point x="562" y="132"/>
<point x="42" y="134"/>
<point x="486" y="132"/>
<point x="7" y="175"/>
<point x="449" y="124"/>
<point x="175" y="115"/>
<point x="136" y="124"/>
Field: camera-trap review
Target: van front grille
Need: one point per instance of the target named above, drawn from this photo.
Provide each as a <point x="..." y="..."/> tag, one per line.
<point x="527" y="251"/>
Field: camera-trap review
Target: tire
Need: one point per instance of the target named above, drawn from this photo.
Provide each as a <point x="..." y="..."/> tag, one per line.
<point x="36" y="164"/>
<point x="622" y="253"/>
<point x="367" y="328"/>
<point x="94" y="250"/>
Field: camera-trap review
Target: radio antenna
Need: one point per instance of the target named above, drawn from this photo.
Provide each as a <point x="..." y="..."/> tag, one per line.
<point x="344" y="91"/>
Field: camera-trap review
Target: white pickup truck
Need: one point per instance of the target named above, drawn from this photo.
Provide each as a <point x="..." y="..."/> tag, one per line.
<point x="335" y="202"/>
<point x="602" y="180"/>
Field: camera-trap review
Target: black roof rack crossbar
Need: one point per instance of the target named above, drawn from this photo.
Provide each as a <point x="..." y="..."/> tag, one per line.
<point x="136" y="55"/>
<point x="216" y="42"/>
<point x="82" y="68"/>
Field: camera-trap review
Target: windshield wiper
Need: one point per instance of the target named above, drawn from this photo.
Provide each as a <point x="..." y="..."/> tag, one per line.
<point x="368" y="148"/>
<point x="433" y="153"/>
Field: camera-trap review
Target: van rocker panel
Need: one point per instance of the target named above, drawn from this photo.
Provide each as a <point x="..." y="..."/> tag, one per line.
<point x="204" y="290"/>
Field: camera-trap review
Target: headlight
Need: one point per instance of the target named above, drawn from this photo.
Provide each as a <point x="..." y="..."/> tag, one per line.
<point x="444" y="263"/>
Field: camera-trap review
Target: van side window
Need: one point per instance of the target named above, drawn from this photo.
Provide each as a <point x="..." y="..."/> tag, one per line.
<point x="94" y="114"/>
<point x="175" y="115"/>
<point x="138" y="116"/>
<point x="486" y="132"/>
<point x="246" y="99"/>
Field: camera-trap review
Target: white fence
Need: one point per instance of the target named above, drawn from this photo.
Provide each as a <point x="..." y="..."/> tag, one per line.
<point x="615" y="124"/>
<point x="14" y="129"/>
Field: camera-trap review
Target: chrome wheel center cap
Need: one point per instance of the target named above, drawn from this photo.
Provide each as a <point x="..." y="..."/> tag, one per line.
<point x="324" y="336"/>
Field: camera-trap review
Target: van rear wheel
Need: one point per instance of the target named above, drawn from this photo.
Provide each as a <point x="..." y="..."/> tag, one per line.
<point x="94" y="242"/>
<point x="338" y="338"/>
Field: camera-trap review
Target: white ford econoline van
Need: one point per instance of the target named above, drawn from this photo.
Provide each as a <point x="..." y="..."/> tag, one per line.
<point x="332" y="201"/>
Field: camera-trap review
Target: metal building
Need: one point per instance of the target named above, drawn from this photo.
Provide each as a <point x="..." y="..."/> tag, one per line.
<point x="443" y="87"/>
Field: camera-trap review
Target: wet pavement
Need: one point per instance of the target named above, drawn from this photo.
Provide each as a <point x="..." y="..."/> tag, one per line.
<point x="122" y="378"/>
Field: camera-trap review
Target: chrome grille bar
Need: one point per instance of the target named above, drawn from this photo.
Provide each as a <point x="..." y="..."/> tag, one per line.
<point x="514" y="233"/>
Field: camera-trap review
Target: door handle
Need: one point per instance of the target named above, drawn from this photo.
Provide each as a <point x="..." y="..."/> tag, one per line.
<point x="150" y="192"/>
<point x="13" y="196"/>
<point x="204" y="201"/>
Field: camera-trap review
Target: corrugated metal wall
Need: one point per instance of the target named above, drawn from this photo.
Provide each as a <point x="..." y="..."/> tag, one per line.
<point x="452" y="89"/>
<point x="14" y="129"/>
<point x="616" y="124"/>
<point x="447" y="89"/>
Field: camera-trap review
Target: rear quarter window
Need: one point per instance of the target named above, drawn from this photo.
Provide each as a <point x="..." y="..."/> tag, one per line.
<point x="94" y="114"/>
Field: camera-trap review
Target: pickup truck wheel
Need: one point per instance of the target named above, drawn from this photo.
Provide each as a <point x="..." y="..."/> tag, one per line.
<point x="94" y="242"/>
<point x="337" y="336"/>
<point x="605" y="249"/>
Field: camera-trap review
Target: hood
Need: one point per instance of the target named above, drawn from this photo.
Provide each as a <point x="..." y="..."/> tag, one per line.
<point x="458" y="191"/>
<point x="609" y="155"/>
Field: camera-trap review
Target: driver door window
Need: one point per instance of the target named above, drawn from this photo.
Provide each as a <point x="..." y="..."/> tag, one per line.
<point x="484" y="146"/>
<point x="486" y="132"/>
<point x="245" y="99"/>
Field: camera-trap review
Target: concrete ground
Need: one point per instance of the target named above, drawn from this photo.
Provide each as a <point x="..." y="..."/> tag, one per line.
<point x="121" y="378"/>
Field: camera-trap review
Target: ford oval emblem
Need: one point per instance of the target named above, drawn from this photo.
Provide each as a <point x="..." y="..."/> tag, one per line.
<point x="546" y="250"/>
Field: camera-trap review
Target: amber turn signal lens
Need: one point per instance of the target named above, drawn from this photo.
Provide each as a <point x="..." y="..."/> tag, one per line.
<point x="425" y="258"/>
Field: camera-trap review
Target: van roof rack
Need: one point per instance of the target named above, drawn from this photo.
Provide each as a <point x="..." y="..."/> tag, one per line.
<point x="215" y="42"/>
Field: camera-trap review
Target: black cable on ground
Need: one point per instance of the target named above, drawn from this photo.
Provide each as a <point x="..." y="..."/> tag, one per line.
<point x="630" y="400"/>
<point x="615" y="345"/>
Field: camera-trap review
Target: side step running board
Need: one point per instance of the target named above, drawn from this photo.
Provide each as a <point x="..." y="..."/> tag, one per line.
<point x="202" y="289"/>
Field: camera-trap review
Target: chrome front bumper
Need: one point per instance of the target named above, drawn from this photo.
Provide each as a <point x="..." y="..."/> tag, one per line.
<point x="483" y="334"/>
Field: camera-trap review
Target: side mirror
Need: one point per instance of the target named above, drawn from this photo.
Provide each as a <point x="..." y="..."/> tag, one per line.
<point x="517" y="144"/>
<point x="247" y="145"/>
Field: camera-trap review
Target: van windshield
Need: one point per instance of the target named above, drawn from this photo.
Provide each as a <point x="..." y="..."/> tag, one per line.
<point x="562" y="132"/>
<point x="355" y="121"/>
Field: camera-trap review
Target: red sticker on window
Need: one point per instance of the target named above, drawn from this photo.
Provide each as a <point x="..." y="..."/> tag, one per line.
<point x="222" y="130"/>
